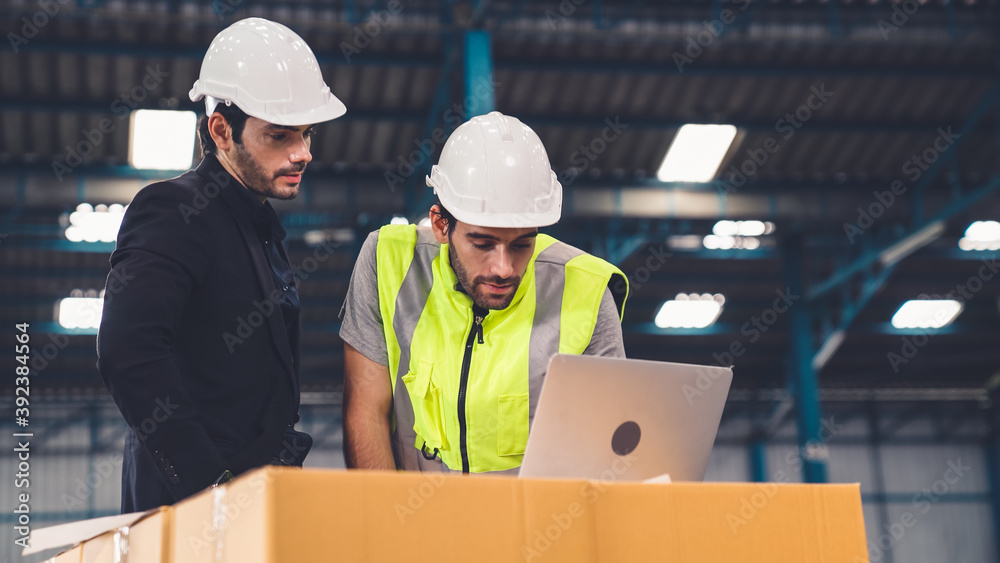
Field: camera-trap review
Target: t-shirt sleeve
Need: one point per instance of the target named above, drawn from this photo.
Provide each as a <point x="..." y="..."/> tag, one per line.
<point x="361" y="318"/>
<point x="607" y="338"/>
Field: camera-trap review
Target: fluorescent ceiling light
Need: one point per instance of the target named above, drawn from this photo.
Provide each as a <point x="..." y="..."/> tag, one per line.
<point x="320" y="237"/>
<point x="716" y="242"/>
<point x="690" y="311"/>
<point x="926" y="313"/>
<point x="981" y="235"/>
<point x="751" y="228"/>
<point x="162" y="140"/>
<point x="737" y="234"/>
<point x="425" y="222"/>
<point x="95" y="224"/>
<point x="727" y="228"/>
<point x="398" y="220"/>
<point x="80" y="312"/>
<point x="696" y="153"/>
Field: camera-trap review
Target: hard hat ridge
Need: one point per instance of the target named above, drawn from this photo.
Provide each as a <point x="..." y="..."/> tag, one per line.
<point x="269" y="72"/>
<point x="494" y="172"/>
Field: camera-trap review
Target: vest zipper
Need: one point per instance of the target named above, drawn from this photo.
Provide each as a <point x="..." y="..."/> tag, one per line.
<point x="477" y="330"/>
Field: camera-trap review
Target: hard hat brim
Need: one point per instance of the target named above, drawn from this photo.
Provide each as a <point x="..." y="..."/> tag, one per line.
<point x="509" y="220"/>
<point x="332" y="109"/>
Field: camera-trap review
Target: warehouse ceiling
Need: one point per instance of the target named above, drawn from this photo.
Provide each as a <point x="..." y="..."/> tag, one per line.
<point x="868" y="135"/>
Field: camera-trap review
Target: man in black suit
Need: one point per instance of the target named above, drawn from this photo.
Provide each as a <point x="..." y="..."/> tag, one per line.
<point x="199" y="345"/>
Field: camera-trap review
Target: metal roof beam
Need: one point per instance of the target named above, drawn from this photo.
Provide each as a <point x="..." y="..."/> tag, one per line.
<point x="923" y="231"/>
<point x="119" y="49"/>
<point x="534" y="120"/>
<point x="410" y="60"/>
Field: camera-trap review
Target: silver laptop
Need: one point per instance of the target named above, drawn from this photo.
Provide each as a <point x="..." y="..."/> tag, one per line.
<point x="625" y="420"/>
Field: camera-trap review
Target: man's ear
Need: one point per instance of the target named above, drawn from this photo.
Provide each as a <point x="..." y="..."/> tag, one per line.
<point x="438" y="224"/>
<point x="220" y="131"/>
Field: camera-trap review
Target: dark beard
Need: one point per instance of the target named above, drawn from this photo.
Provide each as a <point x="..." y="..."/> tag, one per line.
<point x="255" y="178"/>
<point x="470" y="285"/>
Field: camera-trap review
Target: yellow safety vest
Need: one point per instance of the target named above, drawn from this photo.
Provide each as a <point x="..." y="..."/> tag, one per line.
<point x="470" y="383"/>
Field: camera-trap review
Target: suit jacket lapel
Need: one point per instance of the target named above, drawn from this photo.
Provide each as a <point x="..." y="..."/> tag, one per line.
<point x="275" y="321"/>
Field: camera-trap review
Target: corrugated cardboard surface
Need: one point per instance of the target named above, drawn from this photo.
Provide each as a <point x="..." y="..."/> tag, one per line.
<point x="69" y="556"/>
<point x="279" y="515"/>
<point x="241" y="532"/>
<point x="72" y="533"/>
<point x="148" y="541"/>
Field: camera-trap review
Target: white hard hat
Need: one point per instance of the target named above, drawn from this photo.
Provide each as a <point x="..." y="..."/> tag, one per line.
<point x="269" y="72"/>
<point x="494" y="172"/>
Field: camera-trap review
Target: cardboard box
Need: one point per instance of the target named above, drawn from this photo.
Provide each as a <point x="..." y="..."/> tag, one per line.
<point x="69" y="556"/>
<point x="283" y="515"/>
<point x="147" y="541"/>
<point x="146" y="535"/>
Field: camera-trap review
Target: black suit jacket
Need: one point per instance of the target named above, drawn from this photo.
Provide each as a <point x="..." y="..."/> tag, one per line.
<point x="192" y="344"/>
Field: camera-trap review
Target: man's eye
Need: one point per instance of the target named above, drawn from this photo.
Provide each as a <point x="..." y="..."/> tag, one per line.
<point x="522" y="246"/>
<point x="481" y="246"/>
<point x="277" y="137"/>
<point x="309" y="134"/>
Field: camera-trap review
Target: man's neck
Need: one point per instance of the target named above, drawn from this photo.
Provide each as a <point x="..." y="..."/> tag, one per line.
<point x="230" y="167"/>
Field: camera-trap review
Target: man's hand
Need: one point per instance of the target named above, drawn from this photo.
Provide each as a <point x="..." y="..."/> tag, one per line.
<point x="367" y="407"/>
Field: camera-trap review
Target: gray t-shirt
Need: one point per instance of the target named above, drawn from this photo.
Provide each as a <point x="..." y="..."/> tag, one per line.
<point x="361" y="317"/>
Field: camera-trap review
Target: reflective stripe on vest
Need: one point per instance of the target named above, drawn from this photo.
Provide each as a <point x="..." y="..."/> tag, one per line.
<point x="426" y="324"/>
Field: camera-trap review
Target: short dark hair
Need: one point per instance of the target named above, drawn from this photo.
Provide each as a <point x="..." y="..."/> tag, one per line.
<point x="448" y="217"/>
<point x="236" y="119"/>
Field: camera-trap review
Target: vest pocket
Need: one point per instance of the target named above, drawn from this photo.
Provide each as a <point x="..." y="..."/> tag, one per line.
<point x="428" y="408"/>
<point x="513" y="417"/>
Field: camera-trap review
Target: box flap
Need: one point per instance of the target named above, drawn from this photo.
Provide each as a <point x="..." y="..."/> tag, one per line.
<point x="75" y="532"/>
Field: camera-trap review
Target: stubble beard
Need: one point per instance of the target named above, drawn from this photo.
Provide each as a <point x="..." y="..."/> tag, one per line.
<point x="472" y="287"/>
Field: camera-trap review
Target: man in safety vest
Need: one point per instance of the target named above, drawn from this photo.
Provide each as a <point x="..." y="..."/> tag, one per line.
<point x="449" y="329"/>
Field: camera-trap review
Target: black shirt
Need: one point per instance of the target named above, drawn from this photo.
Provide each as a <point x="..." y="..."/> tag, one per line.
<point x="271" y="233"/>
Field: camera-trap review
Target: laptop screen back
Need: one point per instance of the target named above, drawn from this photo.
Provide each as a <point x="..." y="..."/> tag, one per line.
<point x="628" y="419"/>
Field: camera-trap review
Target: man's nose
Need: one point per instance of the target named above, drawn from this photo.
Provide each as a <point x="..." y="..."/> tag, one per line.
<point x="301" y="152"/>
<point x="502" y="265"/>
